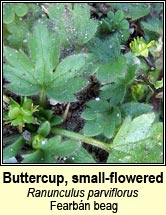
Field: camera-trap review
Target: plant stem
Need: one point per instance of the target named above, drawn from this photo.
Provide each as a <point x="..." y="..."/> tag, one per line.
<point x="42" y="98"/>
<point x="82" y="138"/>
<point x="6" y="99"/>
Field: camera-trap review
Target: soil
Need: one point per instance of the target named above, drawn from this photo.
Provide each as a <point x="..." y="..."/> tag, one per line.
<point x="74" y="122"/>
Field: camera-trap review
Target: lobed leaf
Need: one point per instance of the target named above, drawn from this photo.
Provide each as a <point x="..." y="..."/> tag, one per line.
<point x="148" y="150"/>
<point x="82" y="156"/>
<point x="153" y="25"/>
<point x="101" y="118"/>
<point x="8" y="13"/>
<point x="20" y="73"/>
<point x="20" y="9"/>
<point x="111" y="72"/>
<point x="71" y="65"/>
<point x="18" y="33"/>
<point x="66" y="78"/>
<point x="42" y="72"/>
<point x="133" y="131"/>
<point x="63" y="90"/>
<point x="121" y="78"/>
<point x="105" y="51"/>
<point x="55" y="147"/>
<point x="135" y="109"/>
<point x="21" y="83"/>
<point x="110" y="92"/>
<point x="72" y="22"/>
<point x="133" y="11"/>
<point x="44" y="51"/>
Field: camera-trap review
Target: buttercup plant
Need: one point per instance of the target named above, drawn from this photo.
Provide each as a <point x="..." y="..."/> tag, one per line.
<point x="29" y="76"/>
<point x="114" y="119"/>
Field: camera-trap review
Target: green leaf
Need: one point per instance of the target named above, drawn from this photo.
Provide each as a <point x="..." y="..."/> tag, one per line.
<point x="44" y="129"/>
<point x="34" y="157"/>
<point x="72" y="22"/>
<point x="109" y="129"/>
<point x="105" y="51"/>
<point x="117" y="156"/>
<point x="55" y="147"/>
<point x="64" y="90"/>
<point x="111" y="72"/>
<point x="56" y="120"/>
<point x="20" y="9"/>
<point x="27" y="103"/>
<point x="28" y="119"/>
<point x="92" y="128"/>
<point x="119" y="16"/>
<point x="71" y="65"/>
<point x="148" y="150"/>
<point x="132" y="67"/>
<point x="110" y="92"/>
<point x="85" y="28"/>
<point x="18" y="60"/>
<point x="120" y="81"/>
<point x="48" y="159"/>
<point x="133" y="131"/>
<point x="158" y="84"/>
<point x="135" y="109"/>
<point x="86" y="31"/>
<point x="44" y="51"/>
<point x="153" y="25"/>
<point x="116" y="25"/>
<point x="13" y="112"/>
<point x="8" y="13"/>
<point x="19" y="72"/>
<point x="18" y="34"/>
<point x="138" y="128"/>
<point x="95" y="107"/>
<point x="44" y="113"/>
<point x="58" y="19"/>
<point x="13" y="149"/>
<point x="9" y="10"/>
<point x="124" y="25"/>
<point x="115" y="22"/>
<point x="66" y="78"/>
<point x="82" y="156"/>
<point x="132" y="10"/>
<point x="28" y="77"/>
<point x="101" y="119"/>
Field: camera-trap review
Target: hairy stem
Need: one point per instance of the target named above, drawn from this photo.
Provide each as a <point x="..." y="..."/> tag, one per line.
<point x="82" y="138"/>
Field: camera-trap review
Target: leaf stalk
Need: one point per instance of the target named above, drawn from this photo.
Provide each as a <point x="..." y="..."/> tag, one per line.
<point x="82" y="138"/>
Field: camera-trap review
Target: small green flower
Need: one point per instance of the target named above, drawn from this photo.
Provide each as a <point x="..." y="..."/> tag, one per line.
<point x="139" y="47"/>
<point x="19" y="114"/>
<point x="37" y="140"/>
<point x="138" y="91"/>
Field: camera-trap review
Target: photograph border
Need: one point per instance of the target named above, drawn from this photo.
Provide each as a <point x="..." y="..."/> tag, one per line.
<point x="80" y="164"/>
